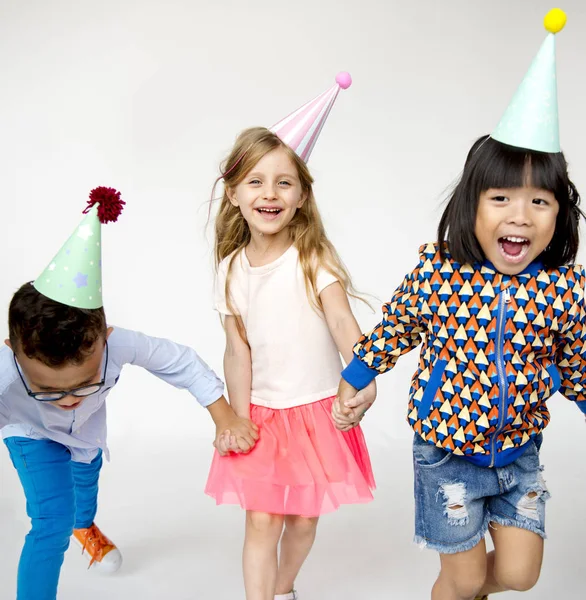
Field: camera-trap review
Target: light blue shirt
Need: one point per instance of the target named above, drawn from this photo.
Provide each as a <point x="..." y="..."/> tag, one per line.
<point x="83" y="431"/>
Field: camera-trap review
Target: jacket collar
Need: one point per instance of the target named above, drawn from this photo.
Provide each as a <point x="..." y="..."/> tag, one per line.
<point x="531" y="270"/>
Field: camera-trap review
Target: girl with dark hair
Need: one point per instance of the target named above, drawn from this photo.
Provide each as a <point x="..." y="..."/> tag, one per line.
<point x="500" y="309"/>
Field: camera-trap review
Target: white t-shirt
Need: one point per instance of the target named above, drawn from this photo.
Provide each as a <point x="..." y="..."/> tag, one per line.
<point x="295" y="360"/>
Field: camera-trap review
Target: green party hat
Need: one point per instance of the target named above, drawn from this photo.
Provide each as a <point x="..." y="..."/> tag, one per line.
<point x="74" y="276"/>
<point x="531" y="120"/>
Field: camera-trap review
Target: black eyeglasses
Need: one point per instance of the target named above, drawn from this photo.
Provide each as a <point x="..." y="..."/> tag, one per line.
<point x="80" y="392"/>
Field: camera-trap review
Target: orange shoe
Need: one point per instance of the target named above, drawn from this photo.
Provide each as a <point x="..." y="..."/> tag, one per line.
<point x="98" y="549"/>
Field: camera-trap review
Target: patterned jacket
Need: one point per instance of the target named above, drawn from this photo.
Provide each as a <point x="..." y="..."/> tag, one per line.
<point x="495" y="348"/>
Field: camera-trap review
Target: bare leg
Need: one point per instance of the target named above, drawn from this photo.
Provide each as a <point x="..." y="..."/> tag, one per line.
<point x="296" y="543"/>
<point x="259" y="558"/>
<point x="515" y="563"/>
<point x="462" y="575"/>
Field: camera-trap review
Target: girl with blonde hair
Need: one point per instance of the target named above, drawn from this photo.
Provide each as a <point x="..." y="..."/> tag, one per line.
<point x="282" y="292"/>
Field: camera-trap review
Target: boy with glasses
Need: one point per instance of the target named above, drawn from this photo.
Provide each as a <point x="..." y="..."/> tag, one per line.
<point x="56" y="370"/>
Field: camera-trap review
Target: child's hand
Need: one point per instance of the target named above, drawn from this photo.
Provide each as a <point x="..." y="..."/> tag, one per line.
<point x="226" y="443"/>
<point x="350" y="405"/>
<point x="342" y="421"/>
<point x="362" y="401"/>
<point x="235" y="434"/>
<point x="343" y="417"/>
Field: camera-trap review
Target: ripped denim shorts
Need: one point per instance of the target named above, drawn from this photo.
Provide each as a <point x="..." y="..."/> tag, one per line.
<point x="456" y="501"/>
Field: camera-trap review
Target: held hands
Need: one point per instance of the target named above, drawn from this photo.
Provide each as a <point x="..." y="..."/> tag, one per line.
<point x="350" y="405"/>
<point x="235" y="434"/>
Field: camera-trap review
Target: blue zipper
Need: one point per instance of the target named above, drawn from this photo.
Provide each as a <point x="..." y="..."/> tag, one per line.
<point x="504" y="299"/>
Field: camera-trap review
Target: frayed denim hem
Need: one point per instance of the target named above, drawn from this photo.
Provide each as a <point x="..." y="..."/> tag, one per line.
<point x="468" y="544"/>
<point x="521" y="523"/>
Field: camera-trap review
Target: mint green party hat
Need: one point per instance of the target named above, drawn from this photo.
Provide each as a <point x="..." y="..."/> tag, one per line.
<point x="531" y="120"/>
<point x="74" y="276"/>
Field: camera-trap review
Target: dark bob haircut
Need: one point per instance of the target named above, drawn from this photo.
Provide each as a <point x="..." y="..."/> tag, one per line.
<point x="51" y="332"/>
<point x="491" y="164"/>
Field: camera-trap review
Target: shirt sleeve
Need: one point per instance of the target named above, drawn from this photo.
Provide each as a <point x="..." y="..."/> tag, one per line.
<point x="220" y="303"/>
<point x="4" y="413"/>
<point x="572" y="347"/>
<point x="175" y="364"/>
<point x="399" y="332"/>
<point x="323" y="279"/>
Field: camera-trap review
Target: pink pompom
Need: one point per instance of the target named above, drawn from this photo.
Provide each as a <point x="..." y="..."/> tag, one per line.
<point x="344" y="80"/>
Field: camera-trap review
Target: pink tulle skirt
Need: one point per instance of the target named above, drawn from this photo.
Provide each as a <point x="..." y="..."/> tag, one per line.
<point x="301" y="465"/>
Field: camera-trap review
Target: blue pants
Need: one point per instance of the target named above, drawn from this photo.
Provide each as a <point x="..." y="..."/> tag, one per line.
<point x="60" y="495"/>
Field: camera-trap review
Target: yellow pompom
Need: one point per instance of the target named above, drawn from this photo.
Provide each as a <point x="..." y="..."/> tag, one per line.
<point x="555" y="20"/>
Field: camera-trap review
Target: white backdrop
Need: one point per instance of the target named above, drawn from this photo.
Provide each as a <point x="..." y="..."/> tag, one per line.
<point x="147" y="96"/>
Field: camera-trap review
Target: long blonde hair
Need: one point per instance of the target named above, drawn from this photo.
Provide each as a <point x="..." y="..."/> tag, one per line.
<point x="306" y="228"/>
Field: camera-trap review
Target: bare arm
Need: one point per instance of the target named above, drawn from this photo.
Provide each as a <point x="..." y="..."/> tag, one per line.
<point x="242" y="434"/>
<point x="341" y="322"/>
<point x="345" y="331"/>
<point x="237" y="369"/>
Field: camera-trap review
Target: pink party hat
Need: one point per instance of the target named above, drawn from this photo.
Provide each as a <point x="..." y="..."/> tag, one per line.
<point x="301" y="128"/>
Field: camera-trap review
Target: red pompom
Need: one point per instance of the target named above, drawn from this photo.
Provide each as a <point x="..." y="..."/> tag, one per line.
<point x="109" y="203"/>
